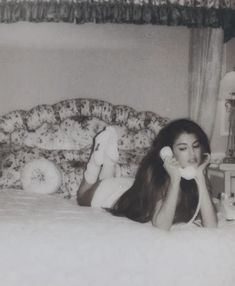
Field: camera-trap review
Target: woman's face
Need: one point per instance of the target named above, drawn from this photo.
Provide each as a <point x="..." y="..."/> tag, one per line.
<point x="187" y="150"/>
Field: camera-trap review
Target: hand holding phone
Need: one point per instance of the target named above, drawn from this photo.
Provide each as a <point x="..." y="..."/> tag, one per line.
<point x="187" y="173"/>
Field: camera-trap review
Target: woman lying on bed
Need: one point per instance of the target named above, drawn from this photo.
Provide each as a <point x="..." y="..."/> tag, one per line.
<point x="158" y="192"/>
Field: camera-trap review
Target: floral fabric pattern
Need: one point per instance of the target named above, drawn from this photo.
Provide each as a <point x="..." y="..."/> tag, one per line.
<point x="64" y="134"/>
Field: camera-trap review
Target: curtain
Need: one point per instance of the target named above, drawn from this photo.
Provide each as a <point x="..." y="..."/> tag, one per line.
<point x="190" y="13"/>
<point x="206" y="56"/>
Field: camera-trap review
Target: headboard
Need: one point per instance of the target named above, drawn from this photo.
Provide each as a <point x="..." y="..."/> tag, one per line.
<point x="63" y="133"/>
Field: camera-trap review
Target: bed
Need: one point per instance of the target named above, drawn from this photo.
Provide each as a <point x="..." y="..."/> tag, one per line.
<point x="47" y="239"/>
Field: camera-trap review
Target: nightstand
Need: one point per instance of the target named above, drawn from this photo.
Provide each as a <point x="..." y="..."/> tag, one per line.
<point x="222" y="180"/>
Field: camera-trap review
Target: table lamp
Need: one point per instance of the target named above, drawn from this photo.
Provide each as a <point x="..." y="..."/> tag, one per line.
<point x="228" y="90"/>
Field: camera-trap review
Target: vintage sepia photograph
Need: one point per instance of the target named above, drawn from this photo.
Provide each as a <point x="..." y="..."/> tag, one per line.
<point x="117" y="143"/>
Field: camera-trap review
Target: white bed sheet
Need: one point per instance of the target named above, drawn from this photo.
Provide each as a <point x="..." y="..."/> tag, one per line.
<point x="49" y="241"/>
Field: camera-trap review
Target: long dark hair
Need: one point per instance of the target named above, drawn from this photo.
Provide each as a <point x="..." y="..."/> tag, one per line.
<point x="151" y="180"/>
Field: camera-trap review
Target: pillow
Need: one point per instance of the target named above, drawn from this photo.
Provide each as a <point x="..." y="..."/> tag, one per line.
<point x="41" y="176"/>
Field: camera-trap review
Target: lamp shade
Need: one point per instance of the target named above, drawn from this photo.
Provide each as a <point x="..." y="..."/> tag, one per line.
<point x="227" y="85"/>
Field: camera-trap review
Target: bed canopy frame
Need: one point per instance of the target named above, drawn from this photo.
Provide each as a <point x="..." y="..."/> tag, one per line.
<point x="190" y="13"/>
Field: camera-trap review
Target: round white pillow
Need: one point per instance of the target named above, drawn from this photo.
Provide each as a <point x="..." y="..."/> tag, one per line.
<point x="41" y="176"/>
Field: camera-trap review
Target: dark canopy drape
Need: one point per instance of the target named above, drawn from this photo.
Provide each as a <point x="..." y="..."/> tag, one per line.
<point x="190" y="13"/>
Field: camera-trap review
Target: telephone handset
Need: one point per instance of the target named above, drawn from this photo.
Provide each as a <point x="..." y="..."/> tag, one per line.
<point x="187" y="173"/>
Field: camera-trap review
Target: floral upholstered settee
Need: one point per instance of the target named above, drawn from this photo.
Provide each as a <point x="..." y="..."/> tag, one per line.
<point x="64" y="133"/>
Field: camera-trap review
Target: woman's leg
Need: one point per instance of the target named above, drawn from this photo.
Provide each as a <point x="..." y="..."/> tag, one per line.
<point x="111" y="156"/>
<point x="101" y="165"/>
<point x="86" y="192"/>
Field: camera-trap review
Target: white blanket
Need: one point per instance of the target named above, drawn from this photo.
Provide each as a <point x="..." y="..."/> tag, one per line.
<point x="46" y="240"/>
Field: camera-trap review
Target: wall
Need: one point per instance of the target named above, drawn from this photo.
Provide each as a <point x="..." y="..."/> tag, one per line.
<point x="142" y="66"/>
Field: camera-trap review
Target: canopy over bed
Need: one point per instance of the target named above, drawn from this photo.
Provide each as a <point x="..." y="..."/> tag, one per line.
<point x="190" y="13"/>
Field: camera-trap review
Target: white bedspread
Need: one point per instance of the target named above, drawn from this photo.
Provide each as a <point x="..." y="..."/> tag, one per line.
<point x="49" y="241"/>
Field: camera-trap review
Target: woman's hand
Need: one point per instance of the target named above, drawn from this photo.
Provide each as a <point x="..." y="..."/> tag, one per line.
<point x="172" y="166"/>
<point x="207" y="209"/>
<point x="201" y="168"/>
